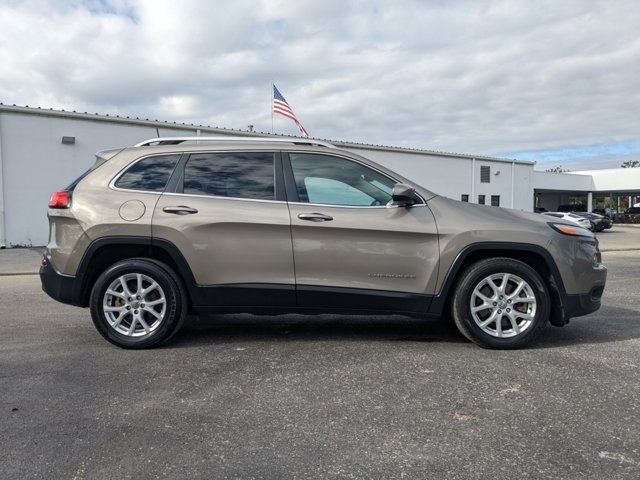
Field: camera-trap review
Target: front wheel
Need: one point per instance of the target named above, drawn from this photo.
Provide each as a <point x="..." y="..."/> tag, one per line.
<point x="500" y="303"/>
<point x="138" y="303"/>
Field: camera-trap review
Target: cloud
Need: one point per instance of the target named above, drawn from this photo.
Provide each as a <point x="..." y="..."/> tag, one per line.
<point x="475" y="77"/>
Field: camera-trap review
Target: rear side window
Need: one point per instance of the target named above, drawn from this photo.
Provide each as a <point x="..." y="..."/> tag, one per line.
<point x="149" y="174"/>
<point x="231" y="174"/>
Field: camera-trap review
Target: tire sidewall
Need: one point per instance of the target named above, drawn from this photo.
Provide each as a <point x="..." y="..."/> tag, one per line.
<point x="174" y="310"/>
<point x="470" y="279"/>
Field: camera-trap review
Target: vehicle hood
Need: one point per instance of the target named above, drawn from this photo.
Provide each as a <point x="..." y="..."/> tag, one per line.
<point x="485" y="216"/>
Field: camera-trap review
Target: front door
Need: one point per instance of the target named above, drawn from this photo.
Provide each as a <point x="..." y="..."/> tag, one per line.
<point x="228" y="217"/>
<point x="350" y="249"/>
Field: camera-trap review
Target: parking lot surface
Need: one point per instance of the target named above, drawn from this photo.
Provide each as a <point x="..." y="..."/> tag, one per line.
<point x="319" y="397"/>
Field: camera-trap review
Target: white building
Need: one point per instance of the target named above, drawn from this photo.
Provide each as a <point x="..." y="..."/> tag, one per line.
<point x="44" y="150"/>
<point x="615" y="188"/>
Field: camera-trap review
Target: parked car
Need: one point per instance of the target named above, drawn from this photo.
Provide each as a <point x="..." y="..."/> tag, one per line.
<point x="598" y="222"/>
<point x="632" y="215"/>
<point x="608" y="214"/>
<point x="257" y="225"/>
<point x="571" y="217"/>
<point x="608" y="221"/>
<point x="572" y="208"/>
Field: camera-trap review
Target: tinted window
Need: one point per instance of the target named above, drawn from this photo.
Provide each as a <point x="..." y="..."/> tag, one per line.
<point x="337" y="181"/>
<point x="151" y="173"/>
<point x="233" y="174"/>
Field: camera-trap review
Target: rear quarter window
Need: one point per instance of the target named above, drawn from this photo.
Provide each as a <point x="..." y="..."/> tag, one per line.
<point x="150" y="174"/>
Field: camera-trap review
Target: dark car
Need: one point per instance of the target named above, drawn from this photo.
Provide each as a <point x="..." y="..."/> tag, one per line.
<point x="632" y="215"/>
<point x="572" y="208"/>
<point x="598" y="222"/>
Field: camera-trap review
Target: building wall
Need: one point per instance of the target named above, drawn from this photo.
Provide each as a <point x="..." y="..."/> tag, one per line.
<point x="562" y="181"/>
<point x="34" y="163"/>
<point x="614" y="179"/>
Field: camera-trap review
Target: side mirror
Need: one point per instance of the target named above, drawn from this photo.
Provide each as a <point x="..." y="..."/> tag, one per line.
<point x="403" y="196"/>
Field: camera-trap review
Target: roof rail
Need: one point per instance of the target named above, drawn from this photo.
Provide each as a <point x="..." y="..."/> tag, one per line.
<point x="179" y="140"/>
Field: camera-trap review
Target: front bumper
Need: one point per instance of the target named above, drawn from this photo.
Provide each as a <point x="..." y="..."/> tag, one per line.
<point x="583" y="304"/>
<point x="577" y="305"/>
<point x="63" y="288"/>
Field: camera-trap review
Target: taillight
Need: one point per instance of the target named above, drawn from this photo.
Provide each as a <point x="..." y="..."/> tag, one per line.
<point x="61" y="199"/>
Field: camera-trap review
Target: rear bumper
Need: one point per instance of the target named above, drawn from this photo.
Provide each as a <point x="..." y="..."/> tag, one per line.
<point x="63" y="288"/>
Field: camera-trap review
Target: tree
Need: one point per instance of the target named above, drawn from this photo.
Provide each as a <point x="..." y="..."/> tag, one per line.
<point x="557" y="169"/>
<point x="630" y="164"/>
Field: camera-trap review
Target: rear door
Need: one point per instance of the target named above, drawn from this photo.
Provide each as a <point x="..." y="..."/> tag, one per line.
<point x="226" y="213"/>
<point x="350" y="249"/>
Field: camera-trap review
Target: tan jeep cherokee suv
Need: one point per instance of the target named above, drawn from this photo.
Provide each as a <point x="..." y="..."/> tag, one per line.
<point x="265" y="225"/>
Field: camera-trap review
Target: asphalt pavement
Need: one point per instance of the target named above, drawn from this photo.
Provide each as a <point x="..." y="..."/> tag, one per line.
<point x="319" y="397"/>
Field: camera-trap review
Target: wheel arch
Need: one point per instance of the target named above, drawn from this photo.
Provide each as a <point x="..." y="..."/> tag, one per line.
<point x="533" y="255"/>
<point x="106" y="251"/>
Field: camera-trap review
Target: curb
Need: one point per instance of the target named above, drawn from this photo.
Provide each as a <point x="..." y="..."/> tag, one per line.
<point x="18" y="274"/>
<point x="619" y="250"/>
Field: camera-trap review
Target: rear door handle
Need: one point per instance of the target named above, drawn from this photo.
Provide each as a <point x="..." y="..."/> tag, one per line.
<point x="315" y="217"/>
<point x="180" y="210"/>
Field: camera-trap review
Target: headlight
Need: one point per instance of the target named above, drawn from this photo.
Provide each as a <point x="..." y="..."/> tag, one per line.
<point x="571" y="230"/>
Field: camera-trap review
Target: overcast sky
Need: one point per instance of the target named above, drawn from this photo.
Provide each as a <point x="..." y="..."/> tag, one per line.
<point x="557" y="82"/>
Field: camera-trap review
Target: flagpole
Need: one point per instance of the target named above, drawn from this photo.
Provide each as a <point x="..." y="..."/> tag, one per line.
<point x="271" y="105"/>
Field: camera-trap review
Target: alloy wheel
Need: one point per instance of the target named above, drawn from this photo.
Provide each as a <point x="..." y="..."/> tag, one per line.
<point x="503" y="305"/>
<point x="134" y="305"/>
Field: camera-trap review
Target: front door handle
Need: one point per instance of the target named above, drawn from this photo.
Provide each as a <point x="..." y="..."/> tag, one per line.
<point x="180" y="210"/>
<point x="315" y="217"/>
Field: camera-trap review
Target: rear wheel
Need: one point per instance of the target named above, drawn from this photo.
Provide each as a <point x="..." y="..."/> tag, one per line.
<point x="500" y="303"/>
<point x="138" y="303"/>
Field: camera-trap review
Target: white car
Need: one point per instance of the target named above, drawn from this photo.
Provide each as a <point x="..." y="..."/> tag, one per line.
<point x="571" y="217"/>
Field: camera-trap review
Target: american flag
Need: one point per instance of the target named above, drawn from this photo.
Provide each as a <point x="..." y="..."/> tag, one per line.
<point x="281" y="106"/>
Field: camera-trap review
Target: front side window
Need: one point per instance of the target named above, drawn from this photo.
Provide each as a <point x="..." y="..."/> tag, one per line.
<point x="337" y="181"/>
<point x="231" y="174"/>
<point x="149" y="174"/>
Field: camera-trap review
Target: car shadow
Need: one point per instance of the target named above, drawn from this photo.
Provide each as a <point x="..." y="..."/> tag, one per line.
<point x="340" y="328"/>
<point x="610" y="324"/>
<point x="607" y="325"/>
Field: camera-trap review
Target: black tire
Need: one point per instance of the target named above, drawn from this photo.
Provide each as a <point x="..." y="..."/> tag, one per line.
<point x="472" y="276"/>
<point x="174" y="294"/>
